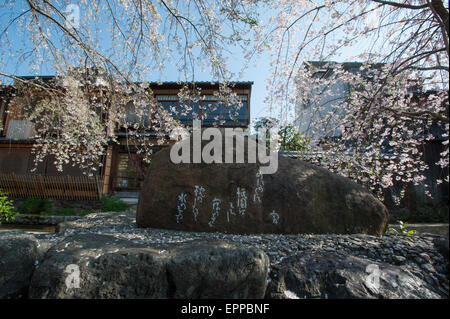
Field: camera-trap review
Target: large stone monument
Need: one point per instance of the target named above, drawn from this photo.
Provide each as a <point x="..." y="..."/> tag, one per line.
<point x="237" y="198"/>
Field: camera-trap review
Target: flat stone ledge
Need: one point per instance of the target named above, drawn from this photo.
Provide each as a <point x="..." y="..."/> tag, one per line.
<point x="28" y="219"/>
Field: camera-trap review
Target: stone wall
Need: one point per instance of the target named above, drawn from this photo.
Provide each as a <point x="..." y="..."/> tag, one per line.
<point x="116" y="259"/>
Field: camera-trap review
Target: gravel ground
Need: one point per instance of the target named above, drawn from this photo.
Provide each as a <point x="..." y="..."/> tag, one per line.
<point x="417" y="254"/>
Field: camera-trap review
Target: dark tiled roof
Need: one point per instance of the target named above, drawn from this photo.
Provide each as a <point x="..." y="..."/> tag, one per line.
<point x="49" y="78"/>
<point x="203" y="84"/>
<point x="346" y="65"/>
<point x="38" y="78"/>
<point x="7" y="140"/>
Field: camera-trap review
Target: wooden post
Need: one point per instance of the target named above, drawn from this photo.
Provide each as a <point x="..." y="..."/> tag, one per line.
<point x="106" y="177"/>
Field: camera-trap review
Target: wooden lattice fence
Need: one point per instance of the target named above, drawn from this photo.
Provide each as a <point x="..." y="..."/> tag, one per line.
<point x="55" y="187"/>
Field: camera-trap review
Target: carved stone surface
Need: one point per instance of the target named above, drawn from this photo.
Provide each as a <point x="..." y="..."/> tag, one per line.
<point x="235" y="198"/>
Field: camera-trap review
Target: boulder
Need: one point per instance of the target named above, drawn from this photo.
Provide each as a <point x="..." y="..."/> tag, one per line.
<point x="18" y="253"/>
<point x="102" y="266"/>
<point x="98" y="266"/>
<point x="217" y="270"/>
<point x="235" y="198"/>
<point x="332" y="275"/>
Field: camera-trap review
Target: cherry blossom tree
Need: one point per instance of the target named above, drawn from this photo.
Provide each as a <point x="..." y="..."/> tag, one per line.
<point x="103" y="52"/>
<point x="375" y="131"/>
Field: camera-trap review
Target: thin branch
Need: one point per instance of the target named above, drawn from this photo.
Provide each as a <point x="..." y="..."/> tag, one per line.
<point x="402" y="5"/>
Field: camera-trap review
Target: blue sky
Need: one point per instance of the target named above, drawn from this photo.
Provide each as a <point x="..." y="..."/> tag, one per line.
<point x="258" y="74"/>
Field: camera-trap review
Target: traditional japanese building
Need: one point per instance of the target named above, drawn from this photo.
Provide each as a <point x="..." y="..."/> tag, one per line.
<point x="123" y="168"/>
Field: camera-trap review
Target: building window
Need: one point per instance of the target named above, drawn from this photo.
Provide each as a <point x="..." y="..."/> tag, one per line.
<point x="210" y="110"/>
<point x="20" y="130"/>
